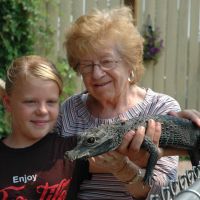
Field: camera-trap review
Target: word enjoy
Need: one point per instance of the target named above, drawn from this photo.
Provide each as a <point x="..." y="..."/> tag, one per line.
<point x="25" y="178"/>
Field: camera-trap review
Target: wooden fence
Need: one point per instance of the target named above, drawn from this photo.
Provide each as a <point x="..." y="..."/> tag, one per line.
<point x="59" y="14"/>
<point x="177" y="72"/>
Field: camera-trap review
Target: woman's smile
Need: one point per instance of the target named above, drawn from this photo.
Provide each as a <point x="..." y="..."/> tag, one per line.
<point x="102" y="84"/>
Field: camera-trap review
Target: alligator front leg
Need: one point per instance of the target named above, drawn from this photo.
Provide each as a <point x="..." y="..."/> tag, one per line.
<point x="153" y="158"/>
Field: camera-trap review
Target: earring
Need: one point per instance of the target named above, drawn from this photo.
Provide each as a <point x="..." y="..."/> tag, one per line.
<point x="131" y="77"/>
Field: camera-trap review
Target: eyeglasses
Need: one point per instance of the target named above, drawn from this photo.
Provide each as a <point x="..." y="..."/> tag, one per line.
<point x="87" y="67"/>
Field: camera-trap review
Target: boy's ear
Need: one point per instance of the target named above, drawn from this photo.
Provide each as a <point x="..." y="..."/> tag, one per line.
<point x="6" y="103"/>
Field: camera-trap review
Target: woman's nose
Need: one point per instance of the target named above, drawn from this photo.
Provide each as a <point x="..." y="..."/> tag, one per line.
<point x="97" y="71"/>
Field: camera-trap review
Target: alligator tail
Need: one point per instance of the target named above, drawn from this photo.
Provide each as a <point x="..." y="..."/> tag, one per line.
<point x="195" y="156"/>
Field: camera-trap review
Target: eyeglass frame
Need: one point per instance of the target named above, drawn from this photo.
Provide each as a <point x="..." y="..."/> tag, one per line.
<point x="101" y="65"/>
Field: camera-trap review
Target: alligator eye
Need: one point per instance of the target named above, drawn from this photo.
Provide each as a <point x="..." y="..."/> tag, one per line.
<point x="91" y="140"/>
<point x="122" y="123"/>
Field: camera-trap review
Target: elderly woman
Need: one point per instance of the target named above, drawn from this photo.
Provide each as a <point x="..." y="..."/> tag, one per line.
<point x="106" y="49"/>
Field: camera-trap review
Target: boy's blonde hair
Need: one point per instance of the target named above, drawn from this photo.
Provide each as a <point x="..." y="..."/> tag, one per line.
<point x="33" y="65"/>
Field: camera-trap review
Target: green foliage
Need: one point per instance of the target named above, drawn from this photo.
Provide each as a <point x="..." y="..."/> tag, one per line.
<point x="4" y="122"/>
<point x="18" y="19"/>
<point x="18" y="22"/>
<point x="69" y="78"/>
<point x="183" y="158"/>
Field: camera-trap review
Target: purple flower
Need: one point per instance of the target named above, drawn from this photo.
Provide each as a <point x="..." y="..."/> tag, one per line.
<point x="154" y="50"/>
<point x="153" y="44"/>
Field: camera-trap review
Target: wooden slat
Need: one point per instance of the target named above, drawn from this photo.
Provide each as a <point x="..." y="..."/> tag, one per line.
<point x="77" y="11"/>
<point x="115" y="3"/>
<point x="77" y="8"/>
<point x="193" y="84"/>
<point x="52" y="23"/>
<point x="139" y="24"/>
<point x="39" y="46"/>
<point x="90" y="4"/>
<point x="102" y="4"/>
<point x="150" y="9"/>
<point x="182" y="52"/>
<point x="133" y="6"/>
<point x="147" y="80"/>
<point x="171" y="48"/>
<point x="160" y="21"/>
<point x="198" y="81"/>
<point x="139" y="14"/>
<point x="65" y="20"/>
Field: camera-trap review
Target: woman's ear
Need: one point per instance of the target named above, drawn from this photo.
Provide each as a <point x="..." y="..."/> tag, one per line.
<point x="6" y="103"/>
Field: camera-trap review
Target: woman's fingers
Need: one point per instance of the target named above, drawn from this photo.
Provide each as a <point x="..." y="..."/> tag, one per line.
<point x="124" y="146"/>
<point x="111" y="161"/>
<point x="153" y="131"/>
<point x="136" y="143"/>
<point x="131" y="144"/>
<point x="190" y="114"/>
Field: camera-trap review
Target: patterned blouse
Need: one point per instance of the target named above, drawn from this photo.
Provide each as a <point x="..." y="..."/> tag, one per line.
<point x="74" y="117"/>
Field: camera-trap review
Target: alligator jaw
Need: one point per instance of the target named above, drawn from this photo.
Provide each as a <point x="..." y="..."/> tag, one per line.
<point x="74" y="156"/>
<point x="84" y="152"/>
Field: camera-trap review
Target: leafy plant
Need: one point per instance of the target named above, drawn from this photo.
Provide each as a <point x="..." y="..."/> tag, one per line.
<point x="153" y="44"/>
<point x="18" y="21"/>
<point x="69" y="78"/>
<point x="4" y="122"/>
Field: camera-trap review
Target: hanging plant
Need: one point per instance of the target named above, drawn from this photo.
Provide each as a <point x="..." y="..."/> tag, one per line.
<point x="153" y="44"/>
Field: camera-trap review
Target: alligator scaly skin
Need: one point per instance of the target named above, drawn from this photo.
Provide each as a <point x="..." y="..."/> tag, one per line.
<point x="176" y="133"/>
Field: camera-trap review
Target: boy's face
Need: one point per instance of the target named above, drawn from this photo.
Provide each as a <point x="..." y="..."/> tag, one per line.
<point x="34" y="106"/>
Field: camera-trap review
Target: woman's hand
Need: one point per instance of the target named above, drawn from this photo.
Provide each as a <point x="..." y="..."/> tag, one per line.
<point x="130" y="148"/>
<point x="133" y="139"/>
<point x="110" y="162"/>
<point x="124" y="170"/>
<point x="192" y="115"/>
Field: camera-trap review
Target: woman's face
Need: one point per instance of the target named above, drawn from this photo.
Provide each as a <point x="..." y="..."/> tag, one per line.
<point x="105" y="75"/>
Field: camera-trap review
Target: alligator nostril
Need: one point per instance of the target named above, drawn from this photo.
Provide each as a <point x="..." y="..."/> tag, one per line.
<point x="91" y="140"/>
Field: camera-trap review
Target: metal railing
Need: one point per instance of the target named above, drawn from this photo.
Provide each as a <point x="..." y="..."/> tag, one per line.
<point x="187" y="187"/>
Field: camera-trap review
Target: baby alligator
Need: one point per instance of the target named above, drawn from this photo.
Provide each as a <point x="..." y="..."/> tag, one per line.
<point x="176" y="133"/>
